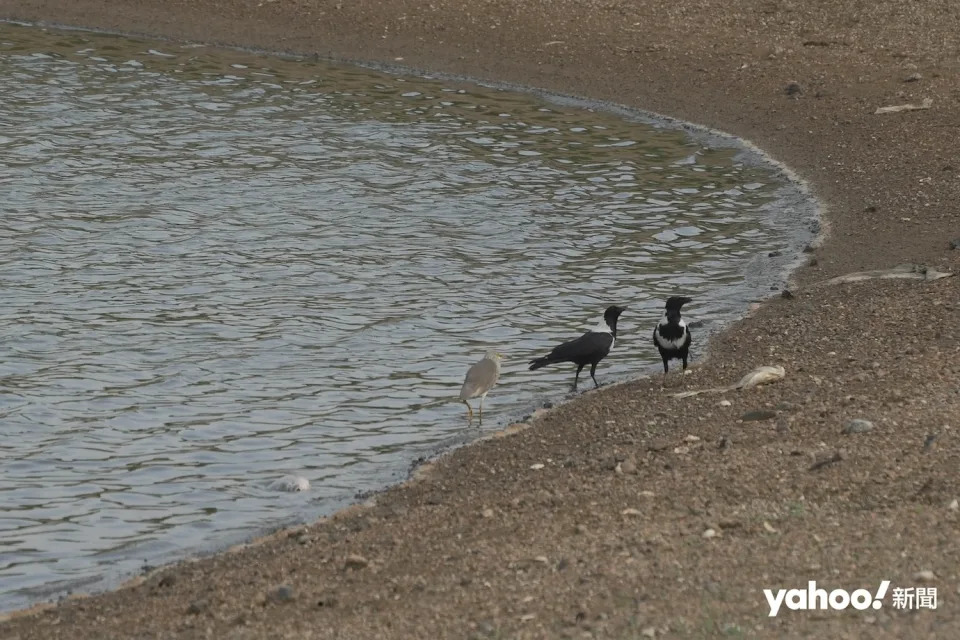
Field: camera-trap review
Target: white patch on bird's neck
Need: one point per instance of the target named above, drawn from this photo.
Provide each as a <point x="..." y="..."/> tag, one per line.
<point x="603" y="327"/>
<point x="665" y="321"/>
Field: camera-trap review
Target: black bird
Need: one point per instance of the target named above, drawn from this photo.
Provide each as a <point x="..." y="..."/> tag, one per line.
<point x="671" y="335"/>
<point x="588" y="349"/>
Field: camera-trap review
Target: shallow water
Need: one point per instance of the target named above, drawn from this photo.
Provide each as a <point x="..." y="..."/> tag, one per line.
<point x="219" y="268"/>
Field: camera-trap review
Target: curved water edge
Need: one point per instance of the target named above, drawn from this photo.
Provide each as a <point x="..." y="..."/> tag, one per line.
<point x="764" y="272"/>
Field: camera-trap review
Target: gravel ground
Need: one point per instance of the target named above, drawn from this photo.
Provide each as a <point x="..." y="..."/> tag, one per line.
<point x="707" y="508"/>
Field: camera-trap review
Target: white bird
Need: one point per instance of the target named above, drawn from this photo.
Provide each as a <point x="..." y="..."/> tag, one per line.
<point x="479" y="380"/>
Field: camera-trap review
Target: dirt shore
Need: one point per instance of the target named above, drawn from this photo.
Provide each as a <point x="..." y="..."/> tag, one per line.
<point x="708" y="507"/>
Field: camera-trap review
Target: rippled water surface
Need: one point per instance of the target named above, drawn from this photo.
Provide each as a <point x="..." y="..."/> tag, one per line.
<point x="220" y="268"/>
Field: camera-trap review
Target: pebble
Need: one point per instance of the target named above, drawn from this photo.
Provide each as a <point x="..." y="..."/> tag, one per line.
<point x="487" y="513"/>
<point x="913" y="77"/>
<point x="537" y="466"/>
<point x="658" y="445"/>
<point x="649" y="632"/>
<point x="691" y="438"/>
<point x="954" y="505"/>
<point x="793" y="89"/>
<point x="580" y="529"/>
<point x="197" y="607"/>
<point x="710" y="533"/>
<point x="628" y="466"/>
<point x="858" y="426"/>
<point x="283" y="593"/>
<point x="725" y="403"/>
<point x="955" y="243"/>
<point x="760" y="414"/>
<point x="328" y="600"/>
<point x="631" y="512"/>
<point x="924" y="576"/>
<point x="355" y="561"/>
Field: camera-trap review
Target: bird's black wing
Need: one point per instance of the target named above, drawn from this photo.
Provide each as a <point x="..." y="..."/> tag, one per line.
<point x="589" y="346"/>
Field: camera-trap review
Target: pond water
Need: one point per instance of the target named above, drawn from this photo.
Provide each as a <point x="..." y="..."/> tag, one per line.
<point x="219" y="268"/>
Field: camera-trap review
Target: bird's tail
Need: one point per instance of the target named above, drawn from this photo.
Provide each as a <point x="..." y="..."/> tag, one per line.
<point x="540" y="362"/>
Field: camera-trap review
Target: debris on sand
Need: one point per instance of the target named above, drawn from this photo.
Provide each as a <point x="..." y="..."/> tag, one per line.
<point x="926" y="104"/>
<point x="821" y="462"/>
<point x="761" y="375"/>
<point x="901" y="271"/>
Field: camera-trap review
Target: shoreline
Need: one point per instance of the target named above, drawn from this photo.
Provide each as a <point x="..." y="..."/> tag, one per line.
<point x="509" y="515"/>
<point x="792" y="194"/>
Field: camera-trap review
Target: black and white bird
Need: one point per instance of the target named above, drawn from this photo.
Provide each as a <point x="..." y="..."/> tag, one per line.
<point x="671" y="336"/>
<point x="588" y="349"/>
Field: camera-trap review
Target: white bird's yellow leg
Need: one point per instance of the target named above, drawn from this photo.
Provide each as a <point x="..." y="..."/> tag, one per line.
<point x="469" y="411"/>
<point x="481" y="407"/>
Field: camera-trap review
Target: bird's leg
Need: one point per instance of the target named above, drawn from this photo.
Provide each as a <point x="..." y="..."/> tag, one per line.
<point x="577" y="377"/>
<point x="666" y="368"/>
<point x="469" y="412"/>
<point x="683" y="375"/>
<point x="593" y="370"/>
<point x="481" y="407"/>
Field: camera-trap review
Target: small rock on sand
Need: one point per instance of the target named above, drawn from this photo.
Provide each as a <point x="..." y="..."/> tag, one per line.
<point x="197" y="607"/>
<point x="355" y="561"/>
<point x="282" y="593"/>
<point x="759" y="414"/>
<point x="858" y="426"/>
